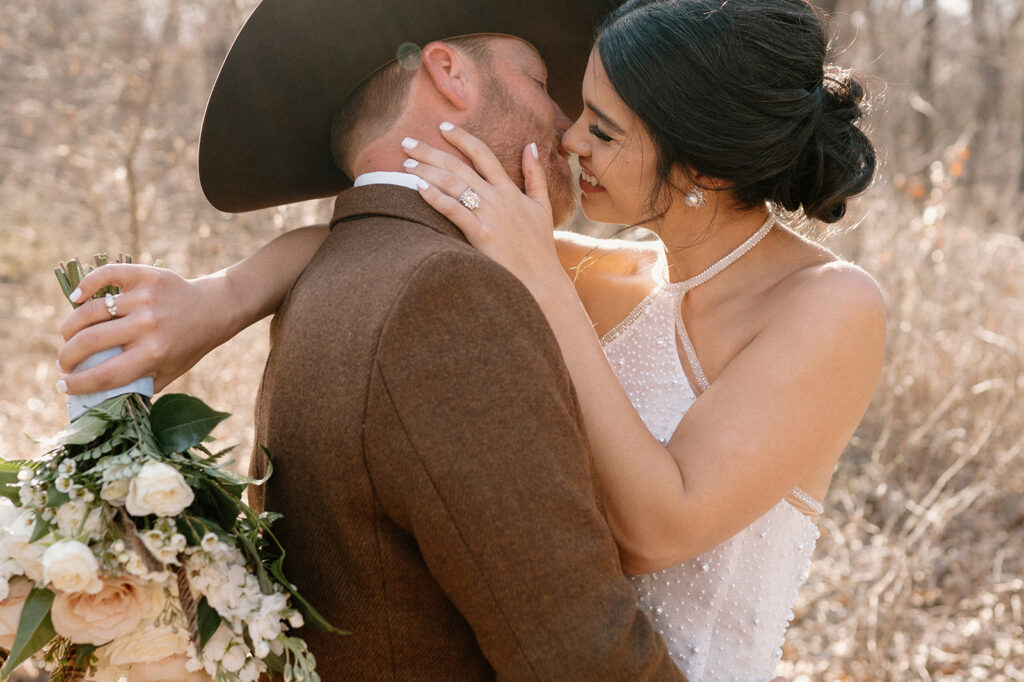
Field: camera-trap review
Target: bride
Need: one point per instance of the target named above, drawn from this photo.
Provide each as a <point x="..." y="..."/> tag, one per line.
<point x="720" y="370"/>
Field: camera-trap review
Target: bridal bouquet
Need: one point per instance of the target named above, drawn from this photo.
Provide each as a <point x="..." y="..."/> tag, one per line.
<point x="127" y="553"/>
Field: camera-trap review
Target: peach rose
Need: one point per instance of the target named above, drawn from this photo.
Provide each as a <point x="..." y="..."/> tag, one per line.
<point x="114" y="611"/>
<point x="10" y="609"/>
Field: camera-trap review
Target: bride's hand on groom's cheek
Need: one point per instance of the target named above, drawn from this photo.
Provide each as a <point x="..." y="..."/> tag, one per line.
<point x="164" y="324"/>
<point x="512" y="226"/>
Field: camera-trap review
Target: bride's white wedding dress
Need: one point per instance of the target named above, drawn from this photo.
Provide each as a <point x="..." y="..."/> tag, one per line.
<point x="724" y="614"/>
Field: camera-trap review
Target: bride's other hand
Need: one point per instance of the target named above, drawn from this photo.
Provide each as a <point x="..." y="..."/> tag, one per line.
<point x="164" y="324"/>
<point x="512" y="227"/>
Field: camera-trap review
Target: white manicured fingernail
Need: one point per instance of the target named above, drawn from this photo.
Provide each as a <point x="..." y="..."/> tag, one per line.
<point x="410" y="163"/>
<point x="62" y="386"/>
<point x="446" y="126"/>
<point x="75" y="295"/>
<point x="421" y="183"/>
<point x="409" y="143"/>
<point x="533" y="148"/>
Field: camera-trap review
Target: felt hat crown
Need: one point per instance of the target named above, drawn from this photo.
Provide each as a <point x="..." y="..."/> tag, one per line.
<point x="266" y="134"/>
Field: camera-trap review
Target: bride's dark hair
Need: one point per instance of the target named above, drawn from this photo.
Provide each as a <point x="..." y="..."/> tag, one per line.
<point x="740" y="91"/>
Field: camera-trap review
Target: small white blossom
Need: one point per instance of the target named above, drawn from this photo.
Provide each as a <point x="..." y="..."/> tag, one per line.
<point x="209" y="542"/>
<point x="63" y="484"/>
<point x="25" y="474"/>
<point x="67" y="467"/>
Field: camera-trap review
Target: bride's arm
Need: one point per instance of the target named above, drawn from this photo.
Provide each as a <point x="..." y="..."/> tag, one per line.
<point x="793" y="396"/>
<point x="167" y="323"/>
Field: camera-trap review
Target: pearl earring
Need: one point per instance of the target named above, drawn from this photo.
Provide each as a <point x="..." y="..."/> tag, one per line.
<point x="695" y="198"/>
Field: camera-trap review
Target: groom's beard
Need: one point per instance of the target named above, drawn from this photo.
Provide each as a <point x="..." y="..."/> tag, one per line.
<point x="507" y="127"/>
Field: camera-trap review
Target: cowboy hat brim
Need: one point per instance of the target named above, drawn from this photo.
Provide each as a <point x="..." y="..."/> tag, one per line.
<point x="266" y="133"/>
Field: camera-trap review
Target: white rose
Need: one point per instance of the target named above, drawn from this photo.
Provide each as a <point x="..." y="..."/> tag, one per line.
<point x="70" y="566"/>
<point x="8" y="512"/>
<point x="147" y="645"/>
<point x="158" y="489"/>
<point x="115" y="492"/>
<point x="70" y="516"/>
<point x="27" y="555"/>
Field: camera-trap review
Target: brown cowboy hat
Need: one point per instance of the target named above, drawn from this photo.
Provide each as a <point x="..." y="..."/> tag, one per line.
<point x="266" y="134"/>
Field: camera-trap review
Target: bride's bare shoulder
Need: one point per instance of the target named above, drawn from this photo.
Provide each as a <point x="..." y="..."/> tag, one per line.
<point x="611" y="275"/>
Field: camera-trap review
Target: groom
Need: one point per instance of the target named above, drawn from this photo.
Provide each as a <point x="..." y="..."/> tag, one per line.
<point x="429" y="455"/>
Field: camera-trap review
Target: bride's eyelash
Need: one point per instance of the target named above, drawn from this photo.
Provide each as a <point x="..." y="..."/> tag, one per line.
<point x="598" y="133"/>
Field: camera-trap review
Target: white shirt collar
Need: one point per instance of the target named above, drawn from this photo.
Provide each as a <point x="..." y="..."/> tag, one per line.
<point x="387" y="178"/>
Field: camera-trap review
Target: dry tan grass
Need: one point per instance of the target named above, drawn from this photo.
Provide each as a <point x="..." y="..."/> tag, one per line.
<point x="918" y="574"/>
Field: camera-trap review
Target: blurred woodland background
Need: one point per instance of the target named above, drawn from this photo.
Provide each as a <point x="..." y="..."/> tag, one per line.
<point x="919" y="574"/>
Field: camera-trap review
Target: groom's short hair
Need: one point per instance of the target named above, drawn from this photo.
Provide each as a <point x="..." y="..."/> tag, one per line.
<point x="376" y="104"/>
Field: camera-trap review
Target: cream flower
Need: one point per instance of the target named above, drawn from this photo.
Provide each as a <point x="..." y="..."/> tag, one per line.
<point x="112" y="612"/>
<point x="148" y="644"/>
<point x="70" y="566"/>
<point x="170" y="669"/>
<point x="158" y="489"/>
<point x="70" y="516"/>
<point x="115" y="492"/>
<point x="10" y="610"/>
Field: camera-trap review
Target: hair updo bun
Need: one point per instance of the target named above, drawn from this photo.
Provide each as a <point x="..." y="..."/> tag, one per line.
<point x="838" y="160"/>
<point x="740" y="91"/>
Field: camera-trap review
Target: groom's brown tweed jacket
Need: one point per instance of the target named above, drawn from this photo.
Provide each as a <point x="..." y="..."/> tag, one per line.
<point x="431" y="465"/>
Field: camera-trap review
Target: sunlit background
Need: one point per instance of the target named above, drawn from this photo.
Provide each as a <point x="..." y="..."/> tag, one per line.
<point x="918" y="574"/>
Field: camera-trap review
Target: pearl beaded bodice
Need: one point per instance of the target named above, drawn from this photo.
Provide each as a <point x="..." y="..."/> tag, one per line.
<point x="723" y="614"/>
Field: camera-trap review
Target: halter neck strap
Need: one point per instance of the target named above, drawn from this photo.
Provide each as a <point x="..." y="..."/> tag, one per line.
<point x="679" y="289"/>
<point x="724" y="262"/>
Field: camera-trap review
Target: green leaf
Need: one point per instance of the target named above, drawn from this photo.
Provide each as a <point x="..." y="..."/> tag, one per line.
<point x="209" y="621"/>
<point x="83" y="430"/>
<point x="112" y="409"/>
<point x="35" y="629"/>
<point x="309" y="614"/>
<point x="266" y="586"/>
<point x="83" y="652"/>
<point x="180" y="421"/>
<point x="54" y="497"/>
<point x="214" y="503"/>
<point x="275" y="662"/>
<point x="9" y="483"/>
<point x="41" y="529"/>
<point x="268" y="518"/>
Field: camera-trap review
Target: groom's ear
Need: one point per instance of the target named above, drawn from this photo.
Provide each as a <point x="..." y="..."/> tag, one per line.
<point x="451" y="73"/>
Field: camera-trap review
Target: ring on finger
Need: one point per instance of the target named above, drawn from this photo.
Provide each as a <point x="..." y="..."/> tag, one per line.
<point x="470" y="199"/>
<point x="110" y="301"/>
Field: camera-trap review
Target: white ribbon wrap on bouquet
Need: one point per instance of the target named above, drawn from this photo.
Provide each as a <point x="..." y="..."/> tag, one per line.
<point x="78" y="404"/>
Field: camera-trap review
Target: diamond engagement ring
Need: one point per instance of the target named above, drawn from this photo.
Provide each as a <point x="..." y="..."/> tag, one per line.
<point x="470" y="199"/>
<point x="111" y="302"/>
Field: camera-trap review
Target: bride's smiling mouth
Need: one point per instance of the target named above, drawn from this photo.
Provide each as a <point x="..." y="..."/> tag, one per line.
<point x="589" y="182"/>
